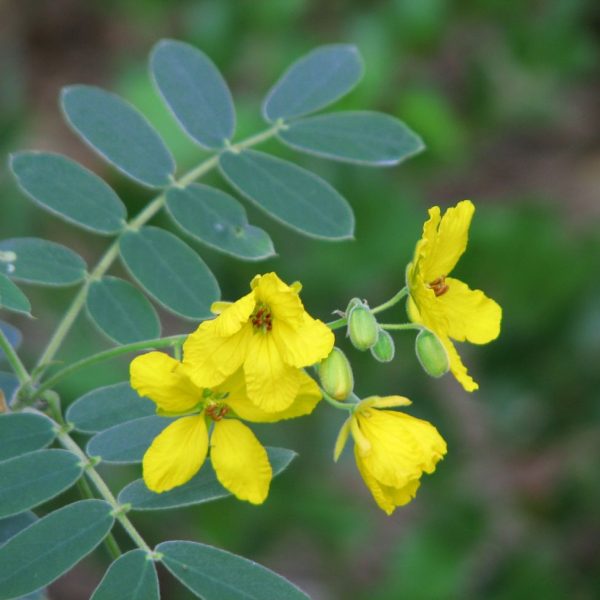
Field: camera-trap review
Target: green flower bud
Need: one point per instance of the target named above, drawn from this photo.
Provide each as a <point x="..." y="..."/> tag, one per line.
<point x="431" y="354"/>
<point x="362" y="327"/>
<point x="336" y="376"/>
<point x="384" y="349"/>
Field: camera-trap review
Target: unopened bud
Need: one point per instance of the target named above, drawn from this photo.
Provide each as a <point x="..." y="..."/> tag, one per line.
<point x="431" y="354"/>
<point x="362" y="327"/>
<point x="336" y="376"/>
<point x="384" y="348"/>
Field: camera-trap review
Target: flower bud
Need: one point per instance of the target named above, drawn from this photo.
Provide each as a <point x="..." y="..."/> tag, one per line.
<point x="336" y="376"/>
<point x="384" y="349"/>
<point x="431" y="354"/>
<point x="362" y="327"/>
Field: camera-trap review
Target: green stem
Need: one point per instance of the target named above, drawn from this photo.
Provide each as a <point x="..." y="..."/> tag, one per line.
<point x="68" y="443"/>
<point x="143" y="217"/>
<point x="391" y="302"/>
<point x="338" y="323"/>
<point x="174" y="340"/>
<point x="13" y="358"/>
<point x="53" y="400"/>
<point x="400" y="326"/>
<point x="348" y="406"/>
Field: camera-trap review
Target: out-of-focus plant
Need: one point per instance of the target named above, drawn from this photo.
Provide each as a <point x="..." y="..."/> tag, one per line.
<point x="248" y="363"/>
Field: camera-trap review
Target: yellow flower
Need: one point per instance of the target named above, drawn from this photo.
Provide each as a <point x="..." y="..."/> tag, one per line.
<point x="268" y="334"/>
<point x="177" y="453"/>
<point x="445" y="305"/>
<point x="392" y="449"/>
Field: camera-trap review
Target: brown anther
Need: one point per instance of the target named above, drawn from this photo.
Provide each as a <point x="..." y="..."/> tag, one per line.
<point x="439" y="286"/>
<point x="216" y="412"/>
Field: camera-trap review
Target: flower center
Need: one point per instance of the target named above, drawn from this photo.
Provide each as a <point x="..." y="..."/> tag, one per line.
<point x="439" y="286"/>
<point x="262" y="318"/>
<point x="216" y="410"/>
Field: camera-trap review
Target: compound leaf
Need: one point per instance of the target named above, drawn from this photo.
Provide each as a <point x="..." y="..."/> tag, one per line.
<point x="24" y="432"/>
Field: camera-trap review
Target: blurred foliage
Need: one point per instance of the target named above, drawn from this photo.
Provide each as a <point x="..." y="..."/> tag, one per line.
<point x="504" y="92"/>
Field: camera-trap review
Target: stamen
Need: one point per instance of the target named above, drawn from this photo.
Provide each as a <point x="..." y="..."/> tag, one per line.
<point x="439" y="286"/>
<point x="216" y="411"/>
<point x="262" y="318"/>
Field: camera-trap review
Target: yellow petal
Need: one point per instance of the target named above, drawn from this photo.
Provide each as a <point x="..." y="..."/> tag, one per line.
<point x="270" y="383"/>
<point x="443" y="246"/>
<point x="240" y="462"/>
<point x="176" y="454"/>
<point x="159" y="377"/>
<point x="402" y="447"/>
<point x="283" y="300"/>
<point x="470" y="314"/>
<point x="385" y="401"/>
<point x="234" y="316"/>
<point x="210" y="358"/>
<point x="216" y="308"/>
<point x="341" y="439"/>
<point x="303" y="345"/>
<point x="457" y="367"/>
<point x="386" y="497"/>
<point x="308" y="397"/>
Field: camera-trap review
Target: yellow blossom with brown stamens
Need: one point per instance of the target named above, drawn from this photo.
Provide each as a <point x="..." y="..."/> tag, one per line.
<point x="447" y="306"/>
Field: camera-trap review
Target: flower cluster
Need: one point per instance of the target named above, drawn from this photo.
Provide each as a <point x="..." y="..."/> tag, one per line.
<point x="248" y="364"/>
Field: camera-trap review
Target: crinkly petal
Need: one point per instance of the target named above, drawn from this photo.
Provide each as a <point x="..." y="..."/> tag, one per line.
<point x="271" y="384"/>
<point x="282" y="299"/>
<point x="457" y="367"/>
<point x="308" y="397"/>
<point x="385" y="401"/>
<point x="445" y="246"/>
<point x="232" y="316"/>
<point x="210" y="358"/>
<point x="160" y="377"/>
<point x="402" y="447"/>
<point x="470" y="314"/>
<point x="386" y="497"/>
<point x="240" y="461"/>
<point x="304" y="345"/>
<point x="176" y="454"/>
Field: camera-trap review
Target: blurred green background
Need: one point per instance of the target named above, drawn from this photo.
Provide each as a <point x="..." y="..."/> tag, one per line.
<point x="505" y="94"/>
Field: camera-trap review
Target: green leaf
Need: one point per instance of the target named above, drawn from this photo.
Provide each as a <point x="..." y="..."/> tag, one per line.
<point x="367" y="138"/>
<point x="170" y="271"/>
<point x="9" y="384"/>
<point x="290" y="194"/>
<point x="121" y="311"/>
<point x="51" y="546"/>
<point x="195" y="91"/>
<point x="108" y="406"/>
<point x="40" y="261"/>
<point x="24" y="432"/>
<point x="214" y="574"/>
<point x="10" y="526"/>
<point x="218" y="220"/>
<point x="119" y="133"/>
<point x="314" y="81"/>
<point x="28" y="480"/>
<point x="131" y="577"/>
<point x="127" y="443"/>
<point x="204" y="487"/>
<point x="69" y="190"/>
<point x="12" y="298"/>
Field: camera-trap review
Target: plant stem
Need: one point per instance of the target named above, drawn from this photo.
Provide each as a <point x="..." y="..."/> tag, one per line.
<point x="13" y="358"/>
<point x="400" y="326"/>
<point x="338" y="323"/>
<point x="391" y="302"/>
<point x="68" y="443"/>
<point x="348" y="406"/>
<point x="143" y="217"/>
<point x="173" y="340"/>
